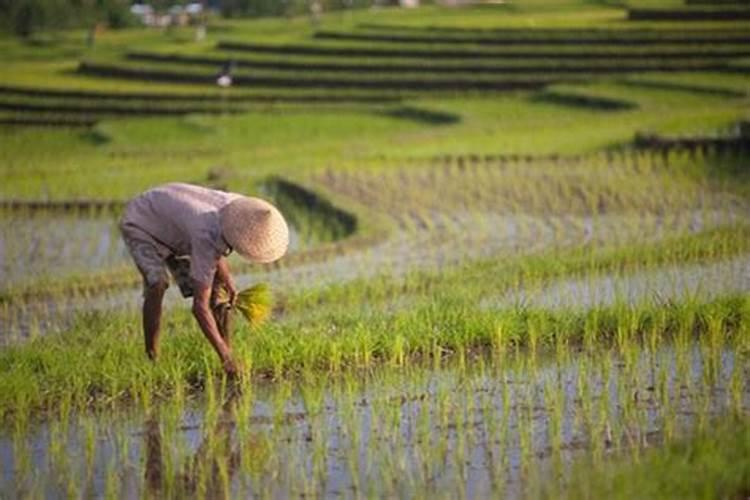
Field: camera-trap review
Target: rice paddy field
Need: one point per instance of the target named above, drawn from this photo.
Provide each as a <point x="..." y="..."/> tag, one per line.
<point x="519" y="262"/>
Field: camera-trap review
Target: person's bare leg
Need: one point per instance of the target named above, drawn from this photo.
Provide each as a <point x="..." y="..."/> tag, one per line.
<point x="152" y="318"/>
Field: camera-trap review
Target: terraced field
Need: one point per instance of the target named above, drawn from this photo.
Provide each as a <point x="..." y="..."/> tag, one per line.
<point x="371" y="64"/>
<point x="520" y="260"/>
<point x="408" y="61"/>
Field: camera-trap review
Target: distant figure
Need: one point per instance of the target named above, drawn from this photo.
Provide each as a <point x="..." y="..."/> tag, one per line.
<point x="224" y="79"/>
<point x="316" y="10"/>
<point x="189" y="230"/>
<point x="200" y="33"/>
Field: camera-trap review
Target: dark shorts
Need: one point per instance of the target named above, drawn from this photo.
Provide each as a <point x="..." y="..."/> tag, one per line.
<point x="154" y="260"/>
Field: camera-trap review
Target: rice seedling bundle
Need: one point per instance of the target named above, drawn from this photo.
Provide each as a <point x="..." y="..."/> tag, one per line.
<point x="254" y="303"/>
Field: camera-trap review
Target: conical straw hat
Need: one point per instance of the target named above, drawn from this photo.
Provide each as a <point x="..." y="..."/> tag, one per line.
<point x="255" y="229"/>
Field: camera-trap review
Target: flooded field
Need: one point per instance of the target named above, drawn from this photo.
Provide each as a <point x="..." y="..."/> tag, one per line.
<point x="664" y="285"/>
<point x="519" y="263"/>
<point x="474" y="426"/>
<point x="408" y="252"/>
<point x="50" y="244"/>
<point x="39" y="245"/>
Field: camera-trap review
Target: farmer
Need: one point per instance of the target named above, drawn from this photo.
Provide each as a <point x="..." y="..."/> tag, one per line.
<point x="190" y="230"/>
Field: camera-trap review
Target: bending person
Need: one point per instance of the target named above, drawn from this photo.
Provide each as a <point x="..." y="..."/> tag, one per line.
<point x="190" y="230"/>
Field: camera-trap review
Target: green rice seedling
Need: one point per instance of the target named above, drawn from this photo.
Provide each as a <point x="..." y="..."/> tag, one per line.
<point x="555" y="404"/>
<point x="665" y="401"/>
<point x="504" y="431"/>
<point x="600" y="433"/>
<point x="702" y="402"/>
<point x="625" y="425"/>
<point x="683" y="362"/>
<point x="111" y="485"/>
<point x="591" y="330"/>
<point x="255" y="303"/>
<point x="398" y="351"/>
<point x="582" y="413"/>
<point x="23" y="462"/>
<point x="89" y="444"/>
<point x="737" y="388"/>
<point x="525" y="421"/>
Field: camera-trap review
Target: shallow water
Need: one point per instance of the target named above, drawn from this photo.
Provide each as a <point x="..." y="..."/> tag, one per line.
<point x="480" y="428"/>
<point x="450" y="240"/>
<point x="45" y="244"/>
<point x="55" y="245"/>
<point x="659" y="286"/>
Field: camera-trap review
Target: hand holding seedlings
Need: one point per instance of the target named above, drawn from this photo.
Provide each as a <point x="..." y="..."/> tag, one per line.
<point x="254" y="303"/>
<point x="189" y="230"/>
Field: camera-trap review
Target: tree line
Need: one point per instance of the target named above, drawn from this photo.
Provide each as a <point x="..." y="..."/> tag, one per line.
<point x="26" y="17"/>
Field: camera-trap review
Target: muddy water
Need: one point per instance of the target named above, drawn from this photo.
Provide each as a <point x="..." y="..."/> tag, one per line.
<point x="484" y="427"/>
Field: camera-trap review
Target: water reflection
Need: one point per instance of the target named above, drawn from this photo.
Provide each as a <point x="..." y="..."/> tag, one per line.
<point x="209" y="471"/>
<point x="38" y="245"/>
<point x="484" y="426"/>
<point x="57" y="245"/>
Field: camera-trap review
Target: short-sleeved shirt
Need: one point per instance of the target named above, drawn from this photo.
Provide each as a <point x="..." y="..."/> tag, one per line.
<point x="182" y="219"/>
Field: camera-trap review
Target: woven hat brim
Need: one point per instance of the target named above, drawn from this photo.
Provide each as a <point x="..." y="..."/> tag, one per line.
<point x="255" y="229"/>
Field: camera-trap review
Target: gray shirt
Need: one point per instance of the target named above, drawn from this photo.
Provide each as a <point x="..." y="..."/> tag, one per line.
<point x="183" y="219"/>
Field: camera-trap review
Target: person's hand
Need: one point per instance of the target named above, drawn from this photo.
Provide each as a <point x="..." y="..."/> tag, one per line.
<point x="232" y="368"/>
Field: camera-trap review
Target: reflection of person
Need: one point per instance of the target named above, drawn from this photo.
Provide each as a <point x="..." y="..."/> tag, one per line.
<point x="189" y="230"/>
<point x="205" y="460"/>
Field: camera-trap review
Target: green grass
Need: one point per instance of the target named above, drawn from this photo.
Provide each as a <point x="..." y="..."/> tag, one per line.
<point x="103" y="362"/>
<point x="68" y="164"/>
<point x="712" y="464"/>
<point x="319" y="322"/>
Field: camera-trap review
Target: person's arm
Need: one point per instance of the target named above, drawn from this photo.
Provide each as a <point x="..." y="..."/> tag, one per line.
<point x="202" y="313"/>
<point x="224" y="277"/>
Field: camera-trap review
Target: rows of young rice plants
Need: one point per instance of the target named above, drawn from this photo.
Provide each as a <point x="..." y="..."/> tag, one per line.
<point x="201" y="95"/>
<point x="453" y="213"/>
<point x="510" y="422"/>
<point x="532" y="61"/>
<point x="84" y="111"/>
<point x="434" y="441"/>
<point x="61" y="101"/>
<point x="414" y="264"/>
<point x="542" y="37"/>
<point x="447" y="54"/>
<point x="174" y="72"/>
<point x="114" y="106"/>
<point x="691" y="13"/>
<point x="719" y="452"/>
<point x="613" y="34"/>
<point x="657" y="190"/>
<point x="705" y="83"/>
